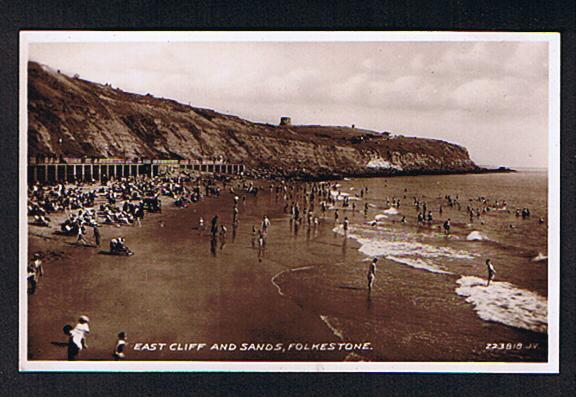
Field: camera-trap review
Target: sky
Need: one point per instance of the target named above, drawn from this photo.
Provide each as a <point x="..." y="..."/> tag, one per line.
<point x="491" y="97"/>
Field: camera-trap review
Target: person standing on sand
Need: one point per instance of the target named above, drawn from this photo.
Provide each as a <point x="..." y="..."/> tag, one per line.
<point x="265" y="224"/>
<point x="201" y="225"/>
<point x="74" y="343"/>
<point x="345" y="225"/>
<point x="35" y="271"/>
<point x="261" y="244"/>
<point x="97" y="237"/>
<point x="120" y="347"/>
<point x="372" y="274"/>
<point x="83" y="327"/>
<point x="77" y="337"/>
<point x="137" y="217"/>
<point x="81" y="232"/>
<point x="491" y="272"/>
<point x="214" y="229"/>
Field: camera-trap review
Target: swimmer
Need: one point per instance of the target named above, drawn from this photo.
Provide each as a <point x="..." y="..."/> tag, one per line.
<point x="491" y="272"/>
<point x="372" y="274"/>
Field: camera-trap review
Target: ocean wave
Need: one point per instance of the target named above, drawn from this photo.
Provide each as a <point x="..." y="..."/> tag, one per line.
<point x="476" y="235"/>
<point x="391" y="211"/>
<point x="505" y="303"/>
<point x="385" y="248"/>
<point x="539" y="257"/>
<point x="376" y="242"/>
<point x="420" y="264"/>
<point x="339" y="196"/>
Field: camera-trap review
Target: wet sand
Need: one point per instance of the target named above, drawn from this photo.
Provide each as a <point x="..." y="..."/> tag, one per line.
<point x="174" y="289"/>
<point x="309" y="288"/>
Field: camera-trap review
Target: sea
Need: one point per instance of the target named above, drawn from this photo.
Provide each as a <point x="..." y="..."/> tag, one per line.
<point x="431" y="299"/>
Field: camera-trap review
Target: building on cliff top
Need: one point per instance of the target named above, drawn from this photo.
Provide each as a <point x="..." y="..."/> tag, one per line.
<point x="285" y="121"/>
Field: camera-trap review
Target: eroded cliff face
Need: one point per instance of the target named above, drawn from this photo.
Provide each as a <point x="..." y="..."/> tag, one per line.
<point x="71" y="117"/>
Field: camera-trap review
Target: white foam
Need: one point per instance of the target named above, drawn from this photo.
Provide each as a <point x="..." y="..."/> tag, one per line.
<point x="273" y="280"/>
<point x="380" y="217"/>
<point x="301" y="268"/>
<point x="420" y="264"/>
<point x="278" y="288"/>
<point x="404" y="248"/>
<point x="330" y="323"/>
<point x="384" y="248"/>
<point x="476" y="235"/>
<point x="342" y="195"/>
<point x="391" y="211"/>
<point x="539" y="257"/>
<point x="505" y="303"/>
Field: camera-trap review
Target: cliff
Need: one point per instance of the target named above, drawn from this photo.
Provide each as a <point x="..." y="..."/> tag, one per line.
<point x="71" y="117"/>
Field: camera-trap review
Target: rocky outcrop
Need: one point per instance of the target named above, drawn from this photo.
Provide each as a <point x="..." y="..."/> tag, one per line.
<point x="72" y="117"/>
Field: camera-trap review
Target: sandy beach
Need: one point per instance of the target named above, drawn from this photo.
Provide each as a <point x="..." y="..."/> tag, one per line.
<point x="180" y="291"/>
<point x="183" y="295"/>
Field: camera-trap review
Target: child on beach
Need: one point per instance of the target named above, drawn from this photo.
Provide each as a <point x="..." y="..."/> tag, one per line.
<point x="120" y="347"/>
<point x="201" y="225"/>
<point x="80" y="238"/>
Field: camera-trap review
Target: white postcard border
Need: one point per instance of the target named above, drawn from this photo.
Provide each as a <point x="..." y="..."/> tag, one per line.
<point x="553" y="40"/>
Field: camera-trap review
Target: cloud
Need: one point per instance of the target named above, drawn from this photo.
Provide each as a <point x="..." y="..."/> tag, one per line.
<point x="420" y="88"/>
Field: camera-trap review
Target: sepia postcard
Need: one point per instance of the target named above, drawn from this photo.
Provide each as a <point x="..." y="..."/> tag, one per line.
<point x="289" y="201"/>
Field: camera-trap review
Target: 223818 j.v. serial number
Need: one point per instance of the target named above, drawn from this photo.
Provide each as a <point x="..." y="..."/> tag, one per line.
<point x="511" y="346"/>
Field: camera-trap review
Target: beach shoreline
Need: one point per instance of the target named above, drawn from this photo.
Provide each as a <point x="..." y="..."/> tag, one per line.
<point x="97" y="296"/>
<point x="309" y="289"/>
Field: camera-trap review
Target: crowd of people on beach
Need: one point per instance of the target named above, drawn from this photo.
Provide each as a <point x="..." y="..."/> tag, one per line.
<point x="74" y="208"/>
<point x="126" y="201"/>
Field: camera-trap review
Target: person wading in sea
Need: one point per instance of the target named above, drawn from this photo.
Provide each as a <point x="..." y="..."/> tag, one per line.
<point x="372" y="274"/>
<point x="491" y="272"/>
<point x="447" y="226"/>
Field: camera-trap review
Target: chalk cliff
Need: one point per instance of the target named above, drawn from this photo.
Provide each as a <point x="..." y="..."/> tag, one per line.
<point x="71" y="117"/>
